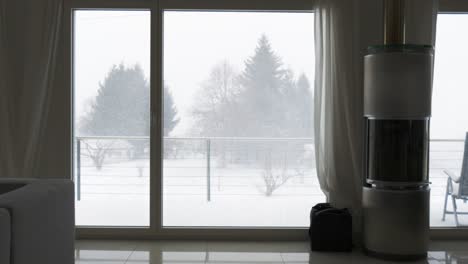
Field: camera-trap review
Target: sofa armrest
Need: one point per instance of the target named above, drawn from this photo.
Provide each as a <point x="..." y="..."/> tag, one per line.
<point x="42" y="217"/>
<point x="5" y="236"/>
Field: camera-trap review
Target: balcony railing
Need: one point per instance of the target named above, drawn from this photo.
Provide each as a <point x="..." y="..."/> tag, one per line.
<point x="221" y="166"/>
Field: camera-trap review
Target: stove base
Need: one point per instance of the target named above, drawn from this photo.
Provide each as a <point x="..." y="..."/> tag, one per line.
<point x="396" y="223"/>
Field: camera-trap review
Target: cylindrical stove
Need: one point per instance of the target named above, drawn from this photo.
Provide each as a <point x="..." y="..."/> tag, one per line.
<point x="397" y="109"/>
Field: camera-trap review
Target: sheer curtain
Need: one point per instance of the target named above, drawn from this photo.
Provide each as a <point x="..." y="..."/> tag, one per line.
<point x="338" y="101"/>
<point x="30" y="31"/>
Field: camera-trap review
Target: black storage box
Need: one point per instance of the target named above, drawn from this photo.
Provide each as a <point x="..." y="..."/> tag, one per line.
<point x="330" y="228"/>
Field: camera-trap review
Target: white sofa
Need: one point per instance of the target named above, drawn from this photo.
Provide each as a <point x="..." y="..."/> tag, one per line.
<point x="37" y="221"/>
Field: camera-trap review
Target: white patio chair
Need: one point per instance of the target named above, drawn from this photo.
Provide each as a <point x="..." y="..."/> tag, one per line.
<point x="457" y="186"/>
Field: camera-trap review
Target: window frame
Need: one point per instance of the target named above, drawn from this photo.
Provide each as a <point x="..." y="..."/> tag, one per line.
<point x="451" y="7"/>
<point x="157" y="8"/>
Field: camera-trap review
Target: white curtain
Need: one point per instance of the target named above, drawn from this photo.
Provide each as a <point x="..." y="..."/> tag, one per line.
<point x="30" y="31"/>
<point x="338" y="104"/>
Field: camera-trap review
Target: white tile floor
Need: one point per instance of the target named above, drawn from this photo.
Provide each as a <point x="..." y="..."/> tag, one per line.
<point x="172" y="252"/>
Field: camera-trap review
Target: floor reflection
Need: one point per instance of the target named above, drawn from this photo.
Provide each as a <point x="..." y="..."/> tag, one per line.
<point x="114" y="252"/>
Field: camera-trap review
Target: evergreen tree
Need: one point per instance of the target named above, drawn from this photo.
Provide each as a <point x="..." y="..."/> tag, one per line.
<point x="265" y="100"/>
<point x="298" y="106"/>
<point x="262" y="80"/>
<point x="121" y="107"/>
<point x="170" y="112"/>
<point x="305" y="107"/>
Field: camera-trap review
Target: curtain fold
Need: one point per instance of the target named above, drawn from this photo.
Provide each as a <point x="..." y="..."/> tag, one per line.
<point x="338" y="104"/>
<point x="40" y="68"/>
<point x="6" y="151"/>
<point x="31" y="31"/>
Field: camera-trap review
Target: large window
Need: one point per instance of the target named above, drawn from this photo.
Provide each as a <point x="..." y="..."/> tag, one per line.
<point x="112" y="117"/>
<point x="238" y="119"/>
<point x="222" y="135"/>
<point x="228" y="111"/>
<point x="449" y="123"/>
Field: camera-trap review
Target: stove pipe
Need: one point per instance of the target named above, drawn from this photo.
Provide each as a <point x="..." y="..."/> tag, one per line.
<point x="397" y="109"/>
<point x="394" y="22"/>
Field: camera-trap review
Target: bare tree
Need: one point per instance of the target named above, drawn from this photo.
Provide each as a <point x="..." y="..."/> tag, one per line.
<point x="216" y="102"/>
<point x="273" y="180"/>
<point x="97" y="151"/>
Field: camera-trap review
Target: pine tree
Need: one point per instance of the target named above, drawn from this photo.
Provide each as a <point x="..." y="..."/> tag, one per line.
<point x="265" y="100"/>
<point x="305" y="107"/>
<point x="121" y="107"/>
<point x="298" y="106"/>
<point x="170" y="112"/>
<point x="262" y="82"/>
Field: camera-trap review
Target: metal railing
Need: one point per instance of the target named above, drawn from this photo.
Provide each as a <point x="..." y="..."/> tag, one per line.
<point x="245" y="151"/>
<point x="209" y="152"/>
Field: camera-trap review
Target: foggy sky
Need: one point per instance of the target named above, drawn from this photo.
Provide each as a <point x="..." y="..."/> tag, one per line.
<point x="195" y="41"/>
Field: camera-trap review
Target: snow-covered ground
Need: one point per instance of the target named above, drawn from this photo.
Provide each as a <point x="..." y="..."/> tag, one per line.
<point x="118" y="194"/>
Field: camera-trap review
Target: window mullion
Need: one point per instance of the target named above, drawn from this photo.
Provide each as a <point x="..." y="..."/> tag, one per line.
<point x="156" y="118"/>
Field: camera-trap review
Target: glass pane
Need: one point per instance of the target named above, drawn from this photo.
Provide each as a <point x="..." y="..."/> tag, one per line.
<point x="449" y="123"/>
<point x="238" y="119"/>
<point x="398" y="150"/>
<point x="111" y="117"/>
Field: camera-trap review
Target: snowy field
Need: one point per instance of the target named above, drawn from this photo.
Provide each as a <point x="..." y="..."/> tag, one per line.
<point x="118" y="194"/>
